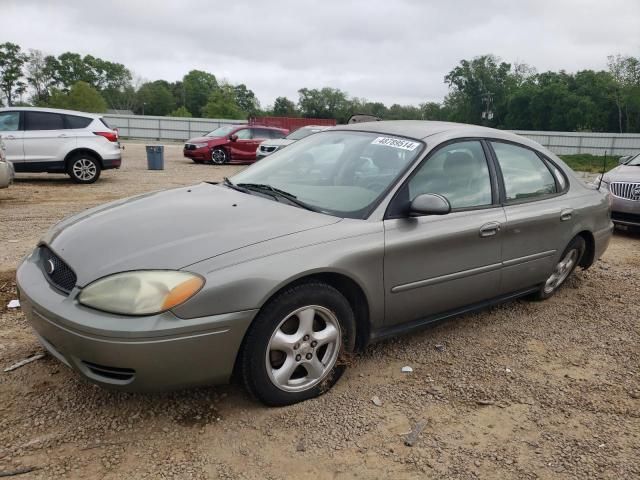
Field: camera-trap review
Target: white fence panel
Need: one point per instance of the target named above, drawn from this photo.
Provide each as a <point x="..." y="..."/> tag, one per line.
<point x="180" y="129"/>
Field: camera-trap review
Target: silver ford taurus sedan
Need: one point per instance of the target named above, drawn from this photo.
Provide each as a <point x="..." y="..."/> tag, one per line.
<point x="346" y="237"/>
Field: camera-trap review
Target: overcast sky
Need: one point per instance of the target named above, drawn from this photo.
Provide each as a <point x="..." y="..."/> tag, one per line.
<point x="394" y="51"/>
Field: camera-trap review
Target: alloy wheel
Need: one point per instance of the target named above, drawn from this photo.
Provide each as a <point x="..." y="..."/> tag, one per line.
<point x="303" y="349"/>
<point x="84" y="169"/>
<point x="218" y="156"/>
<point x="562" y="271"/>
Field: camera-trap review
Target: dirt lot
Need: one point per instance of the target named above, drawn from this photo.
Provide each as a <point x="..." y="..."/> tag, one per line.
<point x="524" y="390"/>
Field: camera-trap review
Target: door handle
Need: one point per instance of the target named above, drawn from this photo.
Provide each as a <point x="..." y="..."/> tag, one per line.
<point x="489" y="229"/>
<point x="566" y="214"/>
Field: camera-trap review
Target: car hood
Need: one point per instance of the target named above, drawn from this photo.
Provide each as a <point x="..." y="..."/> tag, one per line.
<point x="279" y="142"/>
<point x="203" y="139"/>
<point x="173" y="229"/>
<point x="623" y="173"/>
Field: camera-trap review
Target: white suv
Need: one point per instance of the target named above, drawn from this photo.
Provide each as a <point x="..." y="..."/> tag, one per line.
<point x="59" y="141"/>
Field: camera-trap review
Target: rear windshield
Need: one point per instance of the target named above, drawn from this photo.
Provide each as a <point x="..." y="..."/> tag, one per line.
<point x="301" y="133"/>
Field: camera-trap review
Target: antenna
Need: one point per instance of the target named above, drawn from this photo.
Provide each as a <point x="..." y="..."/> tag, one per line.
<point x="604" y="169"/>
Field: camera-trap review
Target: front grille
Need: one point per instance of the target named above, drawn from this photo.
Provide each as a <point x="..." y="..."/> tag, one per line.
<point x="189" y="146"/>
<point x="108" y="372"/>
<point x="630" y="191"/>
<point x="57" y="272"/>
<point x="625" y="217"/>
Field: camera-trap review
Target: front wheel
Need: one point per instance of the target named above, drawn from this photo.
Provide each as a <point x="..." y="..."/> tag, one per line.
<point x="84" y="169"/>
<point x="292" y="351"/>
<point x="219" y="156"/>
<point x="564" y="268"/>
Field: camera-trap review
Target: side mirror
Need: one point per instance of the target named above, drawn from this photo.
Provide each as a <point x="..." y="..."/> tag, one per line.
<point x="429" y="204"/>
<point x="233" y="137"/>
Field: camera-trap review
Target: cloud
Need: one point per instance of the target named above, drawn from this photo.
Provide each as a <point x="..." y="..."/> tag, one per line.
<point x="395" y="52"/>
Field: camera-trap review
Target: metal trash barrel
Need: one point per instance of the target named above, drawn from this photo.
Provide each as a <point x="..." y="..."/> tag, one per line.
<point x="155" y="157"/>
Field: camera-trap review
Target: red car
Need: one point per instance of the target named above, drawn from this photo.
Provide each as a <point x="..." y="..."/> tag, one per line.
<point x="230" y="144"/>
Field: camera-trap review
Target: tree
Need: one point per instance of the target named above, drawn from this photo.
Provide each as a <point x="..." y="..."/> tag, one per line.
<point x="198" y="87"/>
<point x="246" y="99"/>
<point x="283" y="107"/>
<point x="81" y="96"/>
<point x="181" y="112"/>
<point x="39" y="76"/>
<point x="155" y="98"/>
<point x="324" y="103"/>
<point x="11" y="61"/>
<point x="222" y="104"/>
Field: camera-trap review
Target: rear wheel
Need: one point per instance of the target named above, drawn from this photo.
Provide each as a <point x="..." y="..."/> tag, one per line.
<point x="84" y="168"/>
<point x="219" y="156"/>
<point x="564" y="268"/>
<point x="292" y="350"/>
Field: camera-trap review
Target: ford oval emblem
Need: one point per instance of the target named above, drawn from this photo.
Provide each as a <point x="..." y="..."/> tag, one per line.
<point x="636" y="191"/>
<point x="49" y="267"/>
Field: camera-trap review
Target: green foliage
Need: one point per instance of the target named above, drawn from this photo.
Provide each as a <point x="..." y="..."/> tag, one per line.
<point x="246" y="100"/>
<point x="81" y="96"/>
<point x="155" y="98"/>
<point x="198" y="86"/>
<point x="324" y="103"/>
<point x="589" y="163"/>
<point x="283" y="107"/>
<point x="222" y="104"/>
<point x="11" y="61"/>
<point x="181" y="112"/>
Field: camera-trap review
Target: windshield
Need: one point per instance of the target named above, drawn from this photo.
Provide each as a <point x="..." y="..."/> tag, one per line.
<point x="634" y="161"/>
<point x="337" y="172"/>
<point x="302" y="132"/>
<point x="222" y="131"/>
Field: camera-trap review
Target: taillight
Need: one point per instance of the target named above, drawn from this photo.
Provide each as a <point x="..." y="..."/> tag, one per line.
<point x="111" y="136"/>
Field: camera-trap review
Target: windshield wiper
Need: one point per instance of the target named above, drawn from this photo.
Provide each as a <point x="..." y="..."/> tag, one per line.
<point x="276" y="192"/>
<point x="228" y="183"/>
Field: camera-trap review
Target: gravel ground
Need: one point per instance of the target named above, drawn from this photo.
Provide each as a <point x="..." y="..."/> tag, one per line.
<point x="524" y="390"/>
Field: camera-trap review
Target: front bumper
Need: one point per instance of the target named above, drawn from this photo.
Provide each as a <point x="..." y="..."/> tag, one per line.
<point x="152" y="353"/>
<point x="202" y="154"/>
<point x="625" y="212"/>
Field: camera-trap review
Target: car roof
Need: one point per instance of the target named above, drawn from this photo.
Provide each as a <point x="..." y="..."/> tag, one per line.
<point x="256" y="125"/>
<point x="421" y="129"/>
<point x="52" y="110"/>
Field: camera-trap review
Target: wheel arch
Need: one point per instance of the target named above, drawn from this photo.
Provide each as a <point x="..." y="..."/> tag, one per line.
<point x="86" y="151"/>
<point x="350" y="288"/>
<point x="590" y="249"/>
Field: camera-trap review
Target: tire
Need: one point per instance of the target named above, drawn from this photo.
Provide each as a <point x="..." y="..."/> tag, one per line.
<point x="295" y="346"/>
<point x="569" y="260"/>
<point x="84" y="168"/>
<point x="219" y="156"/>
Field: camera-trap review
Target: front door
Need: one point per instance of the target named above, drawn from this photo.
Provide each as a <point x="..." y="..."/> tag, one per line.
<point x="244" y="147"/>
<point x="12" y="137"/>
<point x="435" y="264"/>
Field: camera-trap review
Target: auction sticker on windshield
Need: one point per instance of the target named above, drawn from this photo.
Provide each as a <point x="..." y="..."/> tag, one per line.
<point x="396" y="143"/>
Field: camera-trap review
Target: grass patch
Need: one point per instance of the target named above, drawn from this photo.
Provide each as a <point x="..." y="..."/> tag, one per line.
<point x="584" y="162"/>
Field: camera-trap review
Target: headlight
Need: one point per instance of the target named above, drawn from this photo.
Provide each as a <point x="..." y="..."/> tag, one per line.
<point x="201" y="145"/>
<point x="143" y="292"/>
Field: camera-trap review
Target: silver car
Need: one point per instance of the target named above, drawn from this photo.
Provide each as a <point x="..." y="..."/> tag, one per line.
<point x="624" y="184"/>
<point x="267" y="147"/>
<point x="6" y="168"/>
<point x="346" y="237"/>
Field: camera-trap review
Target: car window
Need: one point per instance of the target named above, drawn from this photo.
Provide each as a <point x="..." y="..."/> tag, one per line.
<point x="43" y="121"/>
<point x="9" y="121"/>
<point x="340" y="173"/>
<point x="261" y="133"/>
<point x="459" y="172"/>
<point x="525" y="174"/>
<point x="74" y="121"/>
<point x="277" y="134"/>
<point x="244" y="134"/>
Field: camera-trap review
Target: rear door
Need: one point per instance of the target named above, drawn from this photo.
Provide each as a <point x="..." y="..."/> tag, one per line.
<point x="539" y="218"/>
<point x="435" y="264"/>
<point x="12" y="136"/>
<point x="46" y="140"/>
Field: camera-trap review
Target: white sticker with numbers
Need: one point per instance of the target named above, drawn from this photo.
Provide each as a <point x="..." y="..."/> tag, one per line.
<point x="396" y="143"/>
